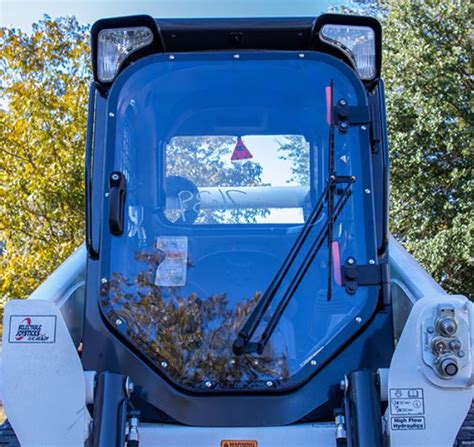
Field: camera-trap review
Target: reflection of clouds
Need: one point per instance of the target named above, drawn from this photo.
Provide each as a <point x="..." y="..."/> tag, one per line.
<point x="193" y="335"/>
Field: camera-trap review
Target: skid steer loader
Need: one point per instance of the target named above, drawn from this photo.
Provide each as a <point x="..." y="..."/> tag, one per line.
<point x="238" y="286"/>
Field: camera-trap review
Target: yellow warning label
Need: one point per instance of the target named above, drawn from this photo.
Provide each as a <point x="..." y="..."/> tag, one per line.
<point x="229" y="443"/>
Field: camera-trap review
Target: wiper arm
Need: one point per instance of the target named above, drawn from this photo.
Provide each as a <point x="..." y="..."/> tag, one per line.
<point x="303" y="268"/>
<point x="241" y="343"/>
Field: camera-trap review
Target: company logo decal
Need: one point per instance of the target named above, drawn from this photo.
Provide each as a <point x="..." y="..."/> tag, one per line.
<point x="32" y="329"/>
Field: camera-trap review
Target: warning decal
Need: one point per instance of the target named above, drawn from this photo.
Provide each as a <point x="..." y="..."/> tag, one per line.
<point x="172" y="271"/>
<point x="240" y="151"/>
<point x="408" y="423"/>
<point x="227" y="443"/>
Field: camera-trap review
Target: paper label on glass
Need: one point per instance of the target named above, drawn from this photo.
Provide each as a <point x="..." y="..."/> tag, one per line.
<point x="172" y="271"/>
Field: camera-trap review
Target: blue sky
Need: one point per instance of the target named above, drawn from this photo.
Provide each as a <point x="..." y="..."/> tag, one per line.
<point x="22" y="14"/>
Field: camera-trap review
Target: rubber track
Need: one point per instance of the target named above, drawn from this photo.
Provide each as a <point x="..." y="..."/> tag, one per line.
<point x="465" y="437"/>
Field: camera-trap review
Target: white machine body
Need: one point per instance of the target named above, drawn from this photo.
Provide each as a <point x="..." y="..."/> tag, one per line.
<point x="45" y="391"/>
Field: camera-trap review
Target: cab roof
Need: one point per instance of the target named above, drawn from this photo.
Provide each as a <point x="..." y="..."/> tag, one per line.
<point x="230" y="34"/>
<point x="244" y="33"/>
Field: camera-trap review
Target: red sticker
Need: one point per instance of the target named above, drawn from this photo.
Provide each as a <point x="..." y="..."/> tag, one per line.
<point x="328" y="104"/>
<point x="336" y="262"/>
<point x="240" y="151"/>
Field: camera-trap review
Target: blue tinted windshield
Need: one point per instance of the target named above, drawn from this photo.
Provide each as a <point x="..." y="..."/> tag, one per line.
<point x="224" y="158"/>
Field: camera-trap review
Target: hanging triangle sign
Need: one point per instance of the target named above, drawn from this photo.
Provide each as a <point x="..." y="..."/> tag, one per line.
<point x="240" y="151"/>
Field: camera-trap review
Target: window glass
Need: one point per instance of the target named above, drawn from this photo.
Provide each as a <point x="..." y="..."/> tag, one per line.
<point x="224" y="160"/>
<point x="232" y="180"/>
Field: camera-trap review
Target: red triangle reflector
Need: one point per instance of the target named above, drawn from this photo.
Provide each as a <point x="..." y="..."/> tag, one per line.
<point x="240" y="151"/>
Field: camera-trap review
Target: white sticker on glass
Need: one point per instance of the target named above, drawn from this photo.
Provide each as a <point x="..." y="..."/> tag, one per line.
<point x="172" y="271"/>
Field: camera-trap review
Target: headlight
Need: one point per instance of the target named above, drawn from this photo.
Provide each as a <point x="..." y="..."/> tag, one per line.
<point x="358" y="42"/>
<point x="115" y="45"/>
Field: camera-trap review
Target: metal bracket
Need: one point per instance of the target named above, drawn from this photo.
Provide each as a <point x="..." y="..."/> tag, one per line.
<point x="375" y="128"/>
<point x="354" y="275"/>
<point x="345" y="116"/>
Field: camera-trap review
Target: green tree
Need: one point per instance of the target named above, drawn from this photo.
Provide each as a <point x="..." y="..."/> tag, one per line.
<point x="428" y="76"/>
<point x="295" y="149"/>
<point x="205" y="160"/>
<point x="44" y="80"/>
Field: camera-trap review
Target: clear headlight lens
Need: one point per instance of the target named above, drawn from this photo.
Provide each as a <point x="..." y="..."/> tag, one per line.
<point x="357" y="41"/>
<point x="115" y="45"/>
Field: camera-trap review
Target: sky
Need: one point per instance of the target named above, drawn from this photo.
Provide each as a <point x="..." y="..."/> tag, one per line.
<point x="21" y="14"/>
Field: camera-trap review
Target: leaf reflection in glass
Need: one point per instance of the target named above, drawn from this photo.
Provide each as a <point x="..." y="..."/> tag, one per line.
<point x="192" y="334"/>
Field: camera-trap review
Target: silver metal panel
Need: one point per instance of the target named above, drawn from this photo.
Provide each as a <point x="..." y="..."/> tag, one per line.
<point x="300" y="435"/>
<point x="66" y="277"/>
<point x="407" y="271"/>
<point x="65" y="287"/>
<point x="424" y="409"/>
<point x="43" y="385"/>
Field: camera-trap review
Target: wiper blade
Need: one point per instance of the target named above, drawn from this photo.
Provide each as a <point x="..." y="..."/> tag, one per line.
<point x="241" y="343"/>
<point x="332" y="189"/>
<point x="290" y="291"/>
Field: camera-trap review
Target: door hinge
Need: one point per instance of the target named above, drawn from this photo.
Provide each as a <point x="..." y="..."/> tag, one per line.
<point x="354" y="275"/>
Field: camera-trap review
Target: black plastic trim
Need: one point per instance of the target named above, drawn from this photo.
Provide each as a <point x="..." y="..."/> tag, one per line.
<point x="189" y="35"/>
<point x="116" y="202"/>
<point x="385" y="167"/>
<point x="91" y="250"/>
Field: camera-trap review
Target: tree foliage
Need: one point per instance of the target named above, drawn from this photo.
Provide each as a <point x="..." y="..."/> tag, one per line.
<point x="43" y="88"/>
<point x="44" y="78"/>
<point x="195" y="332"/>
<point x="428" y="76"/>
<point x="294" y="148"/>
<point x="205" y="160"/>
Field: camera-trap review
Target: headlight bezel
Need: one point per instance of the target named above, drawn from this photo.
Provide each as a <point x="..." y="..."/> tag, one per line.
<point x="352" y="21"/>
<point x="115" y="45"/>
<point x="155" y="45"/>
